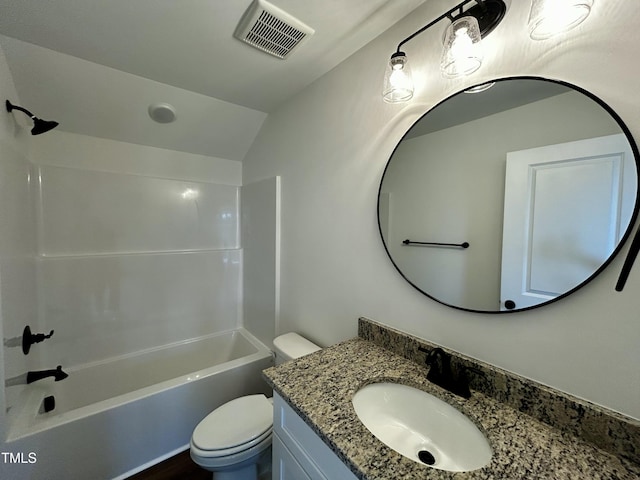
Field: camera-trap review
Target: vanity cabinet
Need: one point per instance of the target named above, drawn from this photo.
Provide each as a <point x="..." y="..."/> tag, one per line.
<point x="298" y="452"/>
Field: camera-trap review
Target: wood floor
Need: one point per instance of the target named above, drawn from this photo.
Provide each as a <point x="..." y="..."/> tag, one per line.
<point x="179" y="467"/>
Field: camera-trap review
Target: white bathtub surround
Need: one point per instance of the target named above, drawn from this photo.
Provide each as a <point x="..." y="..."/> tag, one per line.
<point x="87" y="212"/>
<point x="17" y="236"/>
<point x="118" y="417"/>
<point x="133" y="254"/>
<point x="127" y="261"/>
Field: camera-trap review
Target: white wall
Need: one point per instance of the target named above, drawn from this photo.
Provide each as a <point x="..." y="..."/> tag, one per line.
<point x="330" y="144"/>
<point x="261" y="257"/>
<point x="116" y="102"/>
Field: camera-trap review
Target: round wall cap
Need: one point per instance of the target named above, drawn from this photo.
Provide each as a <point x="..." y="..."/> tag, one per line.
<point x="162" y="112"/>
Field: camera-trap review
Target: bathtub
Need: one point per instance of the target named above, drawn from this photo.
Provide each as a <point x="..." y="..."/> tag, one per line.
<point x="115" y="418"/>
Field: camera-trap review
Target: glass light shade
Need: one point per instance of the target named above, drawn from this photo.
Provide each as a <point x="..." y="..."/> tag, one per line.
<point x="462" y="53"/>
<point x="398" y="82"/>
<point x="550" y="17"/>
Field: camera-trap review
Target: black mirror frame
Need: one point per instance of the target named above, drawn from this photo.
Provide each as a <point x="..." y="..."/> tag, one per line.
<point x="635" y="247"/>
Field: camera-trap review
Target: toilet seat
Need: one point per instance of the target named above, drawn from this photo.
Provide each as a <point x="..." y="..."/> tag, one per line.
<point x="221" y="462"/>
<point x="238" y="425"/>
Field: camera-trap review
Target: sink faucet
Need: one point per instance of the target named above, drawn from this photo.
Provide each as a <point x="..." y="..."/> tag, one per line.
<point x="441" y="374"/>
<point x="57" y="373"/>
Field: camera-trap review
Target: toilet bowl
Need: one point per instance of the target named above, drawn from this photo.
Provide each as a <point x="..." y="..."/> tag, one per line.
<point x="234" y="441"/>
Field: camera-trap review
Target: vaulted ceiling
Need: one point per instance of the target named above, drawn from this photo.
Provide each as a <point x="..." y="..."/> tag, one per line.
<point x="96" y="65"/>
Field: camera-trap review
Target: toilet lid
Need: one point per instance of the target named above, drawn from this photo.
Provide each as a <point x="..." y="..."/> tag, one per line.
<point x="235" y="423"/>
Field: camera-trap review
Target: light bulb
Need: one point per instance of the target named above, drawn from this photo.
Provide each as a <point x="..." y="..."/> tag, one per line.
<point x="462" y="53"/>
<point x="398" y="81"/>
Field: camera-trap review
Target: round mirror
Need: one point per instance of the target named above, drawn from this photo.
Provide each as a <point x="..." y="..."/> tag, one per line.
<point x="511" y="197"/>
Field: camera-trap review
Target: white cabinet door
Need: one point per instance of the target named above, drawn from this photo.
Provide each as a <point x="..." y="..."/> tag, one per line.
<point x="565" y="208"/>
<point x="300" y="444"/>
<point x="285" y="466"/>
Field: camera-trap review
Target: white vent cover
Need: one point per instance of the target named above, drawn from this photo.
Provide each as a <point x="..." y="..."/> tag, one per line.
<point x="274" y="31"/>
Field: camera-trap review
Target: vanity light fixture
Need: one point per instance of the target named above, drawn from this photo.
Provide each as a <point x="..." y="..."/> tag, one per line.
<point x="550" y="17"/>
<point x="462" y="54"/>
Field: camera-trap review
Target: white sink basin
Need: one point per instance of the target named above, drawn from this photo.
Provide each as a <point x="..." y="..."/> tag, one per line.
<point x="421" y="427"/>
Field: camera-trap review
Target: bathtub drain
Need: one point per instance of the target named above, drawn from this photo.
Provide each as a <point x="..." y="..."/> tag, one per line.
<point x="426" y="457"/>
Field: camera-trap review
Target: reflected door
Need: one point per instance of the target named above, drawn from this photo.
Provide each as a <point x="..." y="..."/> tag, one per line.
<point x="564" y="209"/>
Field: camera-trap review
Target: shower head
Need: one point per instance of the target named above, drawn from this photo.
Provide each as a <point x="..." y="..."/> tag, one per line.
<point x="39" y="125"/>
<point x="42" y="126"/>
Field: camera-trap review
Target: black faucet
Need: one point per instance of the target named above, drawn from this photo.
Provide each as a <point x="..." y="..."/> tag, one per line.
<point x="441" y="374"/>
<point x="58" y="374"/>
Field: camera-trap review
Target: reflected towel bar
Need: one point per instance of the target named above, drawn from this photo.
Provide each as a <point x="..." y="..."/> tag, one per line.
<point x="409" y="243"/>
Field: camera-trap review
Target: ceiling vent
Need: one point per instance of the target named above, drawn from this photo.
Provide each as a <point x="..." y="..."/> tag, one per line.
<point x="274" y="31"/>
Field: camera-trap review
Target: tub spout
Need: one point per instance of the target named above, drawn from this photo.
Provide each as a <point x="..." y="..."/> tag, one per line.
<point x="57" y="374"/>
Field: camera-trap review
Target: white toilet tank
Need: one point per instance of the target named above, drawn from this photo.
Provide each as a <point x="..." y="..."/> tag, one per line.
<point x="292" y="345"/>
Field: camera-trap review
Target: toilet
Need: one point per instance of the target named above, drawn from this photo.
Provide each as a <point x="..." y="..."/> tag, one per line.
<point x="234" y="440"/>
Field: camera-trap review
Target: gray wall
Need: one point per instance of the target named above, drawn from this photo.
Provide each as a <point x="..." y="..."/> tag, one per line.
<point x="330" y="144"/>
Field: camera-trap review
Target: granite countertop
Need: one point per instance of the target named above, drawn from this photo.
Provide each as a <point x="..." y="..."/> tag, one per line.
<point x="320" y="386"/>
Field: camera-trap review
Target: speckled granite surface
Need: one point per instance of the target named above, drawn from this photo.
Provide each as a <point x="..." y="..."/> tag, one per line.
<point x="320" y="387"/>
<point x="608" y="430"/>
